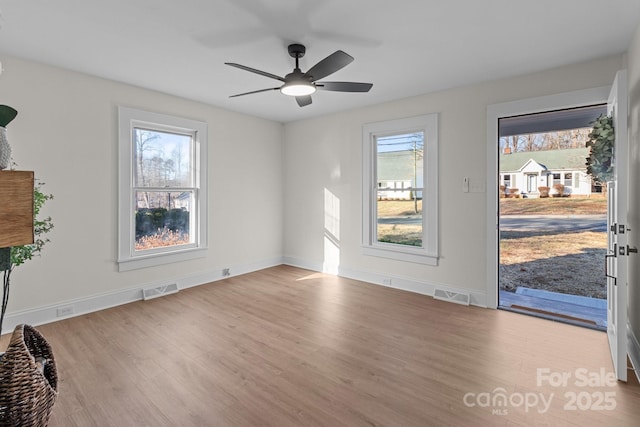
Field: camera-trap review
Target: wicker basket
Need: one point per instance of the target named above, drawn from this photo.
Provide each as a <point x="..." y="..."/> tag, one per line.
<point x="28" y="380"/>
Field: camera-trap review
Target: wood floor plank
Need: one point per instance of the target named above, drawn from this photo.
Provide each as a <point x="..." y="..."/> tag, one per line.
<point x="290" y="347"/>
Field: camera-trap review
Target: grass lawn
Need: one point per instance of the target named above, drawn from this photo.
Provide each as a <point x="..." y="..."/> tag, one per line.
<point x="571" y="263"/>
<point x="547" y="206"/>
<point x="398" y="207"/>
<point x="403" y="234"/>
<point x="554" y="206"/>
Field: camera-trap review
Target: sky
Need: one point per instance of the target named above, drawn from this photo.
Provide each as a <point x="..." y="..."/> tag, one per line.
<point x="399" y="142"/>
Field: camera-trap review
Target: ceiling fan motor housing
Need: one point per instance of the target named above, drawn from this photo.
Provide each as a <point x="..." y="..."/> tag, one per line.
<point x="297" y="50"/>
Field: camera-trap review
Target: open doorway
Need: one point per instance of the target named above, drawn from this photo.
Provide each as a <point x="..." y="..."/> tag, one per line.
<point x="552" y="218"/>
<point x="618" y="250"/>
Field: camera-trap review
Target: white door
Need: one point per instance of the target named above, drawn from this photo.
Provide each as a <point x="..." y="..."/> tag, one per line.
<point x="617" y="258"/>
<point x="532" y="180"/>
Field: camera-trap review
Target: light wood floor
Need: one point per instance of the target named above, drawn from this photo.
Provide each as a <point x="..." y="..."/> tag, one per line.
<point x="289" y="347"/>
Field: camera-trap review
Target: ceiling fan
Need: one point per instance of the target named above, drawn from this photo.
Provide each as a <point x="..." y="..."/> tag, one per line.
<point x="302" y="85"/>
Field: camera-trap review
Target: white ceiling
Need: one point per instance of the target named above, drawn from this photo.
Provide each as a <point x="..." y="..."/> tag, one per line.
<point x="403" y="47"/>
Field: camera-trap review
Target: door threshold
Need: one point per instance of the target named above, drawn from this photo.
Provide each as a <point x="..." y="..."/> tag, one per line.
<point x="583" y="311"/>
<point x="557" y="317"/>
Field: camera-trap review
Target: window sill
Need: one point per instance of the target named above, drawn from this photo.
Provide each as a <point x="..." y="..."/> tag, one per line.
<point x="418" y="256"/>
<point x="153" y="260"/>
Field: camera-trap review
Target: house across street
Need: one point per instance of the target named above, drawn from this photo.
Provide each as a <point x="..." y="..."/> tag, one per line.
<point x="529" y="170"/>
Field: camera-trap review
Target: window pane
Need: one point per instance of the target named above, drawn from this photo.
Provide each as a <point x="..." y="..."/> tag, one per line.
<point x="399" y="182"/>
<point x="162" y="159"/>
<point x="162" y="219"/>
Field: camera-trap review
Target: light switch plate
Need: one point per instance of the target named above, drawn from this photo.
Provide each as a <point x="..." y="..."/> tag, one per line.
<point x="465" y="184"/>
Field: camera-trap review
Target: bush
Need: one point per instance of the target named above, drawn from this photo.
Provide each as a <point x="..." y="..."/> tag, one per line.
<point x="502" y="191"/>
<point x="162" y="237"/>
<point x="544" y="191"/>
<point x="149" y="221"/>
<point x="559" y="190"/>
<point x="513" y="193"/>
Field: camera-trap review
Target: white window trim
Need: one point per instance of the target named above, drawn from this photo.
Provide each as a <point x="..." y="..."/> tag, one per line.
<point x="128" y="118"/>
<point x="428" y="254"/>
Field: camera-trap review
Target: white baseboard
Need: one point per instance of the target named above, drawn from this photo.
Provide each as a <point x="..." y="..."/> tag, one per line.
<point x="47" y="314"/>
<point x="633" y="349"/>
<point x="307" y="265"/>
<point x="391" y="281"/>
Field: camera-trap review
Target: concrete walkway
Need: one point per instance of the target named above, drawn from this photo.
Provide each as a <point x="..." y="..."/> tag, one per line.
<point x="579" y="310"/>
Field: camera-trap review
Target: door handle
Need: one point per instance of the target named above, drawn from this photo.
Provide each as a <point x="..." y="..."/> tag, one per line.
<point x="631" y="250"/>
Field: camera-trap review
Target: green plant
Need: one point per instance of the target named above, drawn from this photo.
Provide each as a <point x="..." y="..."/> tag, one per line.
<point x="21" y="254"/>
<point x="600" y="161"/>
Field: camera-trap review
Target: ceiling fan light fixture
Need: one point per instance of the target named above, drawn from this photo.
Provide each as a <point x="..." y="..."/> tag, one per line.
<point x="301" y="85"/>
<point x="298" y="89"/>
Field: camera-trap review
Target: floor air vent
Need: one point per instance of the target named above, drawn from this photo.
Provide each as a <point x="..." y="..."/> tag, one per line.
<point x="455" y="297"/>
<point x="159" y="291"/>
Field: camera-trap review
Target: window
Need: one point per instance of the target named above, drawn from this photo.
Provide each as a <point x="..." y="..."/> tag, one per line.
<point x="568" y="177"/>
<point x="400" y="189"/>
<point x="162" y="189"/>
<point x="507" y="181"/>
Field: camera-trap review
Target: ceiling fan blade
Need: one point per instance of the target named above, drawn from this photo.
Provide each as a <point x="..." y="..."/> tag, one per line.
<point x="344" y="86"/>
<point x="253" y="70"/>
<point x="329" y="65"/>
<point x="303" y="101"/>
<point x="255" y="91"/>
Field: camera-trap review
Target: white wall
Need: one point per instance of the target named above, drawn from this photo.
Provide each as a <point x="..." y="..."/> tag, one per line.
<point x="324" y="154"/>
<point x="66" y="131"/>
<point x="633" y="68"/>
